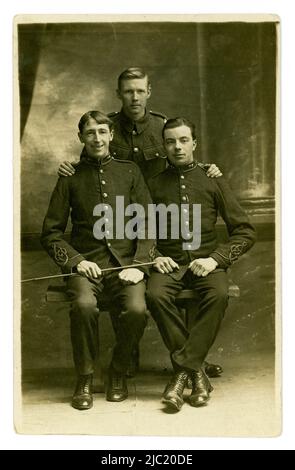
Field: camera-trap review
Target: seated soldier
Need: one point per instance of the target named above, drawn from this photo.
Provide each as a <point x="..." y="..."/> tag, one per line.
<point x="193" y="259"/>
<point x="99" y="179"/>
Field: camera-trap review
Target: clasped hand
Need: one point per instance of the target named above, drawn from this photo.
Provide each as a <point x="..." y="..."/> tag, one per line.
<point x="165" y="264"/>
<point x="201" y="267"/>
<point x="127" y="276"/>
<point x="131" y="276"/>
<point x="89" y="269"/>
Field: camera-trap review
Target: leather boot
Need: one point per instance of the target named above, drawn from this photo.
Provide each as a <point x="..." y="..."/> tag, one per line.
<point x="116" y="387"/>
<point x="201" y="388"/>
<point x="173" y="393"/>
<point x="82" y="398"/>
<point x="212" y="370"/>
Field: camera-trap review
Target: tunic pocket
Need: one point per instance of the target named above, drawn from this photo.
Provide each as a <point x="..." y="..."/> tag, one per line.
<point x="151" y="153"/>
<point x="121" y="153"/>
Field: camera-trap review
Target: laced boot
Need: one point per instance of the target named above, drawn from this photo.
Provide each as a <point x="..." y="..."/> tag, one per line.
<point x="116" y="387"/>
<point x="173" y="393"/>
<point x="212" y="370"/>
<point x="201" y="388"/>
<point x="82" y="398"/>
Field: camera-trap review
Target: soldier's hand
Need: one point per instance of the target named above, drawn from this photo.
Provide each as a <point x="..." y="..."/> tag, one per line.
<point x="89" y="269"/>
<point x="165" y="265"/>
<point x="131" y="276"/>
<point x="66" y="169"/>
<point x="201" y="267"/>
<point x="213" y="171"/>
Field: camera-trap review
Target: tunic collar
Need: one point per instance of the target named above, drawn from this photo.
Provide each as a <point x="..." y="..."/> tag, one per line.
<point x="184" y="168"/>
<point x="137" y="126"/>
<point x="94" y="161"/>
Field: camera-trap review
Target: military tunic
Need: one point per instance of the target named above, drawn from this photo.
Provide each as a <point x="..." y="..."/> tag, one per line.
<point x="94" y="183"/>
<point x="140" y="141"/>
<point x="99" y="183"/>
<point x="189" y="185"/>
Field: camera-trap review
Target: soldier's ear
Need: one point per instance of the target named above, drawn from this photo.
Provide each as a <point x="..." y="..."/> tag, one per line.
<point x="195" y="144"/>
<point x="112" y="134"/>
<point x="80" y="137"/>
<point x="149" y="90"/>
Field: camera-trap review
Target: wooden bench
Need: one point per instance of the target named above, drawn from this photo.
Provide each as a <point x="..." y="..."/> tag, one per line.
<point x="186" y="299"/>
<point x="57" y="293"/>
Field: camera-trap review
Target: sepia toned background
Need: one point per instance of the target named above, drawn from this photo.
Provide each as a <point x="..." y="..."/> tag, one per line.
<point x="223" y="77"/>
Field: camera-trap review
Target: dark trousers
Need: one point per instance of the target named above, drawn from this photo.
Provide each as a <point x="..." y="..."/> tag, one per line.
<point x="188" y="348"/>
<point x="129" y="304"/>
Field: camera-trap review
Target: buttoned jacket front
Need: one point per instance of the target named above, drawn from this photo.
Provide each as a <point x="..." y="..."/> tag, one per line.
<point x="96" y="183"/>
<point x="140" y="141"/>
<point x="187" y="186"/>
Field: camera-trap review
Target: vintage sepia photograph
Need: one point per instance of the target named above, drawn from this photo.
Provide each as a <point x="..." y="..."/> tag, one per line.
<point x="147" y="195"/>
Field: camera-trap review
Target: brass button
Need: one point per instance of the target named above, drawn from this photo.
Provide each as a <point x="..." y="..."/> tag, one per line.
<point x="108" y="244"/>
<point x="183" y="198"/>
<point x="182" y="186"/>
<point x="100" y="171"/>
<point x="103" y="182"/>
<point x="189" y="247"/>
<point x="157" y="154"/>
<point x="186" y="222"/>
<point x="104" y="195"/>
<point x="185" y="211"/>
<point x="106" y="220"/>
<point x="136" y="149"/>
<point x="106" y="208"/>
<point x="182" y="177"/>
<point x="134" y="132"/>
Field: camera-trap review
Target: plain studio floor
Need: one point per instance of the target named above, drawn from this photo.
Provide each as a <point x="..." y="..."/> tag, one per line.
<point x="245" y="400"/>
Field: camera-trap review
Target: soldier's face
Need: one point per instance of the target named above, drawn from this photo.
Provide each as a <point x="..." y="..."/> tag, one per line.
<point x="96" y="138"/>
<point x="179" y="145"/>
<point x="134" y="94"/>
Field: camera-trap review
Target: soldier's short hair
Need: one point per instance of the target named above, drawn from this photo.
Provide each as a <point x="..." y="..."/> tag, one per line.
<point x="132" y="73"/>
<point x="177" y="122"/>
<point x="98" y="116"/>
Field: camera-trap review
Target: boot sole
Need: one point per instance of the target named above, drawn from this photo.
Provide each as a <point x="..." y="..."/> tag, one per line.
<point x="82" y="408"/>
<point x="172" y="405"/>
<point x="116" y="400"/>
<point x="199" y="405"/>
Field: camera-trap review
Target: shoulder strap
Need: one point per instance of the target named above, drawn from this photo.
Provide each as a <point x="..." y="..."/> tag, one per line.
<point x="161" y="115"/>
<point x="113" y="114"/>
